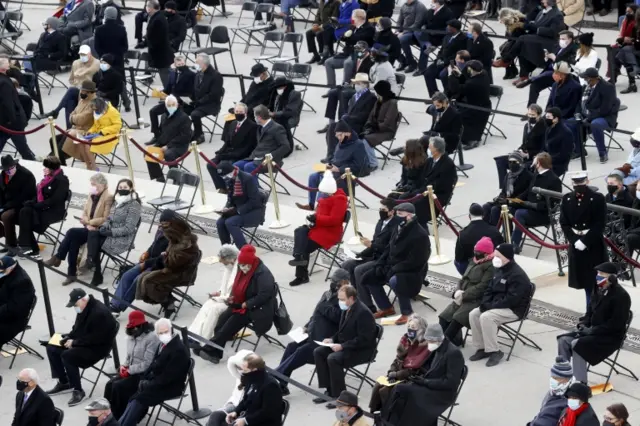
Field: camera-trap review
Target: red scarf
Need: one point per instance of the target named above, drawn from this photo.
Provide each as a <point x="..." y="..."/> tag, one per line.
<point x="46" y="181"/>
<point x="571" y="416"/>
<point x="240" y="284"/>
<point x="237" y="185"/>
<point x="627" y="27"/>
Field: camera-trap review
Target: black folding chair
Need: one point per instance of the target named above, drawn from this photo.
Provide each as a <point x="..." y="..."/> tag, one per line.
<point x="174" y="411"/>
<point x="219" y="42"/>
<point x="494" y="92"/>
<point x="513" y="335"/>
<point x="401" y="78"/>
<point x="281" y="68"/>
<point x="302" y="73"/>
<point x="463" y="378"/>
<point x="16" y="342"/>
<point x="53" y="233"/>
<point x="246" y="33"/>
<point x="58" y="416"/>
<point x="214" y="121"/>
<point x="331" y="253"/>
<point x="285" y="411"/>
<point x="100" y="369"/>
<point x="174" y="202"/>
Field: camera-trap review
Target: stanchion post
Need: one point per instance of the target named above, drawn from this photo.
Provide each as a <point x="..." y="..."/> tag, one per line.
<point x="581" y="137"/>
<point x="278" y="223"/>
<point x="196" y="412"/>
<point x="125" y="143"/>
<point x="54" y="143"/>
<point x="114" y="347"/>
<point x="505" y="223"/>
<point x="45" y="297"/>
<point x="355" y="240"/>
<point x="134" y="94"/>
<point x="243" y="90"/>
<point x="204" y="208"/>
<point x="439" y="258"/>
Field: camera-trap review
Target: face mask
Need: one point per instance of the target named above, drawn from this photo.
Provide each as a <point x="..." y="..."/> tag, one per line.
<point x="429" y="153"/>
<point x="84" y="58"/>
<point x="78" y="309"/>
<point x="280" y="91"/>
<point x="45" y="27"/>
<point x="171" y="110"/>
<point x="257" y="80"/>
<point x="244" y="268"/>
<point x="460" y="65"/>
<point x="383" y="214"/>
<point x="124" y="192"/>
<point x="553" y="383"/>
<point x="96" y="116"/>
<point x="378" y="29"/>
<point x="580" y="189"/>
<point x="600" y="280"/>
<point x="342" y="416"/>
<point x="343" y="305"/>
<point x="563" y="43"/>
<point x="84" y="95"/>
<point x="440" y="110"/>
<point x="514" y="167"/>
<point x="533" y="120"/>
<point x="20" y="385"/>
<point x="470" y="35"/>
<point x="240" y="117"/>
<point x="635" y="143"/>
<point x="93" y="190"/>
<point x="497" y="262"/>
<point x="93" y="421"/>
<point x="433" y="346"/>
<point x="359" y="87"/>
<point x="549" y="122"/>
<point x="574" y="404"/>
<point x="606" y="423"/>
<point x="611" y="189"/>
<point x="360" y="54"/>
<point x="104" y="67"/>
<point x="411" y="334"/>
<point x="164" y="338"/>
<point x="333" y="286"/>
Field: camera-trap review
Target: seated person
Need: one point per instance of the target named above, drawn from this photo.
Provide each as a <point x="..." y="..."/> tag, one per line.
<point x="17" y="186"/>
<point x="411" y="354"/>
<point x="164" y="379"/>
<point x="262" y="401"/>
<point x="142" y="345"/>
<point x="94" y="214"/>
<point x="174" y="137"/>
<point x="587" y="56"/>
<point x="631" y="168"/>
<point x="51" y="48"/>
<point x="107" y="124"/>
<point x="382" y="70"/>
<point x="617" y="192"/>
<point x="374" y="249"/>
<point x="116" y="234"/>
<point x="413" y="19"/>
<point x="514" y="21"/>
<point x="25" y="101"/>
<point x="40" y="408"/>
<point x="16" y="299"/>
<point x="126" y="285"/>
<point x="480" y="47"/>
<point x="323" y="324"/>
<point x="245" y="208"/>
<point x="617" y="415"/>
<point x="46" y="208"/>
<point x="285" y="106"/>
<point x="437" y="381"/>
<point x="578" y="408"/>
<point x="259" y="90"/>
<point x="414" y="171"/>
<point x="90" y="340"/>
<point x="471" y="288"/>
<point x="533" y="210"/>
<point x="454" y="42"/>
<point x="353" y="344"/>
<point x="472" y="88"/>
<point x="624" y="52"/>
<point x="566" y="92"/>
<point x="180" y="84"/>
<point x="445" y="121"/>
<point x="601" y="331"/>
<point x="324" y="227"/>
<point x="347" y="409"/>
<point x="77" y="21"/>
<point x="533" y="134"/>
<point x="515" y="186"/>
<point x="565" y="53"/>
<point x="469" y="237"/>
<point x="177" y="25"/>
<point x="82" y="69"/>
<point x="322" y="28"/>
<point x="555" y="401"/>
<point x="337" y="27"/>
<point x="505" y="299"/>
<point x="461" y="59"/>
<point x="252" y="302"/>
<point x="109" y="80"/>
<point x="383" y="121"/>
<point x="558" y="141"/>
<point x="174" y="268"/>
<point x="387" y="38"/>
<point x="100" y="409"/>
<point x="207" y="318"/>
<point x="401" y="266"/>
<point x="207" y="95"/>
<point x="598" y="109"/>
<point x="239" y="140"/>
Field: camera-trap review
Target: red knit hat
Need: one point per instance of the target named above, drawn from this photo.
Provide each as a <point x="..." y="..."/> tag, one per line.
<point x="247" y="255"/>
<point x="136" y="318"/>
<point x="485" y="245"/>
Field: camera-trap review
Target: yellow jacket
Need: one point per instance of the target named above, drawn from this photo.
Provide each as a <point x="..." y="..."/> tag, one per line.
<point x="109" y="125"/>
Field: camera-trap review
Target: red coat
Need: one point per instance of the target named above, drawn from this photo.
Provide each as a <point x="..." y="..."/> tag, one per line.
<point x="329" y="218"/>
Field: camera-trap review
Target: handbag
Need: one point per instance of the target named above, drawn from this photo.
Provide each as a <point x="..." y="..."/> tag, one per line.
<point x="281" y="319"/>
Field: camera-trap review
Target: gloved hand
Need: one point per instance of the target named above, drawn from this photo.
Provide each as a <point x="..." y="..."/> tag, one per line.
<point x="312" y="218"/>
<point x="105" y="232"/>
<point x="392" y="376"/>
<point x="579" y="245"/>
<point x="585" y="331"/>
<point x="91" y="136"/>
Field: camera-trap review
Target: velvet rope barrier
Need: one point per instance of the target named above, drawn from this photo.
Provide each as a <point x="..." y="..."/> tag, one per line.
<point x="22" y="132"/>
<point x="620" y="253"/>
<point x="538" y="240"/>
<point x="82" y="141"/>
<point x="165" y="163"/>
<point x="499" y="223"/>
<point x="295" y="182"/>
<point x="209" y="162"/>
<point x="445" y="217"/>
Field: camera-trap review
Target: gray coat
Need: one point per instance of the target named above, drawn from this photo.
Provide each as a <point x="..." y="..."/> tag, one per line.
<point x="272" y="139"/>
<point x="123" y="222"/>
<point x="552" y="406"/>
<point x="412" y="15"/>
<point x="383" y="71"/>
<point x="81" y="19"/>
<point x="141" y="351"/>
<point x="474" y="282"/>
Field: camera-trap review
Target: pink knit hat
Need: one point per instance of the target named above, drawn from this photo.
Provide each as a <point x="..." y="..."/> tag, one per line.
<point x="485" y="245"/>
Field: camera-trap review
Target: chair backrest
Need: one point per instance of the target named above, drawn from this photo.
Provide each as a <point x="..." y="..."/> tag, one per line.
<point x="33" y="307"/>
<point x="132" y="54"/>
<point x="249" y="6"/>
<point x="31" y="47"/>
<point x="202" y="29"/>
<point x="265" y="8"/>
<point x="463" y="378"/>
<point x="292" y="38"/>
<point x="400" y="79"/>
<point x="14" y="15"/>
<point x="220" y="35"/>
<point x="531" y="294"/>
<point x="283" y="67"/>
<point x="495" y="91"/>
<point x="58" y="416"/>
<point x="175" y="176"/>
<point x="285" y="411"/>
<point x="301" y="71"/>
<point x="190" y="179"/>
<point x="273" y="36"/>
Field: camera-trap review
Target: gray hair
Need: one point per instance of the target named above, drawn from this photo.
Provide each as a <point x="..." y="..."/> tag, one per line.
<point x="153" y="4"/>
<point x="171" y="99"/>
<point x="179" y="58"/>
<point x="243" y="106"/>
<point x="536" y="108"/>
<point x="438" y="144"/>
<point x="261" y="111"/>
<point x="163" y="321"/>
<point x="439" y="97"/>
<point x="228" y="252"/>
<point x="31" y="374"/>
<point x="421" y="323"/>
<point x="99" y="179"/>
<point x="205" y="58"/>
<point x="99" y="104"/>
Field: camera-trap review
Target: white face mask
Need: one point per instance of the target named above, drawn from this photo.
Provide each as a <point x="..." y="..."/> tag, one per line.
<point x="78" y="309"/>
<point x="244" y="268"/>
<point x="164" y="338"/>
<point x="119" y="199"/>
<point x="359" y="87"/>
<point x="497" y="262"/>
<point x="257" y="80"/>
<point x="574" y="404"/>
<point x="96" y="116"/>
<point x="563" y="43"/>
<point x="280" y="91"/>
<point x="638" y="194"/>
<point x="433" y="346"/>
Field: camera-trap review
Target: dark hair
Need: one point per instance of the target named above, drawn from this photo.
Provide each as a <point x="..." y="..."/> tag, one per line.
<point x="535" y="107"/>
<point x="464" y="54"/>
<point x="134" y="194"/>
<point x="476" y="28"/>
<point x="261" y="111"/>
<point x="349" y="291"/>
<point x="388" y="203"/>
<point x="567" y="33"/>
<point x="619" y="410"/>
<point x="615" y="176"/>
<point x="254" y="361"/>
<point x="414" y="154"/>
<point x="52" y="162"/>
<point x="555" y="111"/>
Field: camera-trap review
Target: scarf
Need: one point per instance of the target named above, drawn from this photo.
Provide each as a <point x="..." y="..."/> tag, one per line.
<point x="511" y="178"/>
<point x="627" y="27"/>
<point x="483" y="260"/>
<point x="46" y="181"/>
<point x="237" y="185"/>
<point x="570" y="416"/>
<point x="239" y="289"/>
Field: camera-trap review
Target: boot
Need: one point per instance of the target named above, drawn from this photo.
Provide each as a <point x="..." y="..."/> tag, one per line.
<point x="632" y="82"/>
<point x="97" y="277"/>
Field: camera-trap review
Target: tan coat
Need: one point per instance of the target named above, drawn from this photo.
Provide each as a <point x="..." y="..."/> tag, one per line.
<point x="362" y="421"/>
<point x="573" y="11"/>
<point x="102" y="209"/>
<point x="81" y="71"/>
<point x="81" y="121"/>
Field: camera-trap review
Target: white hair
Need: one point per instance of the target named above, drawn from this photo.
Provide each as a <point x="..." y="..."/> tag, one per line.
<point x="205" y="58"/>
<point x="31" y="374"/>
<point x="171" y="99"/>
<point x="245" y="108"/>
<point x="99" y="179"/>
<point x="228" y="252"/>
<point x="163" y="322"/>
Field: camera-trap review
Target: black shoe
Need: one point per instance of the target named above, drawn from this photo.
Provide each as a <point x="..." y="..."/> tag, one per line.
<point x="299" y="281"/>
<point x="320" y="400"/>
<point x="151" y="142"/>
<point x="417" y="73"/>
<point x="331" y="406"/>
<point x="494" y="358"/>
<point x="321" y="61"/>
<point x="325" y="95"/>
<point x="54" y="113"/>
<point x="197" y="351"/>
<point x="480" y="354"/>
<point x="141" y="45"/>
<point x="325" y="129"/>
<point x="97" y="278"/>
<point x="211" y="358"/>
<point x="4" y="250"/>
<point x="396" y="151"/>
<point x="59" y="388"/>
<point x="298" y="261"/>
<point x="200" y="139"/>
<point x="604" y="159"/>
<point x="76" y="398"/>
<point x="326" y="160"/>
<point x="631" y="89"/>
<point x="410" y="69"/>
<point x="285" y="390"/>
<point x="314" y="59"/>
<point x="127" y="108"/>
<point x="470" y="145"/>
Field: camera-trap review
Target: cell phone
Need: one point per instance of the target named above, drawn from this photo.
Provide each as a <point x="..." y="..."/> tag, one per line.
<point x="77" y="218"/>
<point x="360" y="234"/>
<point x="452" y="63"/>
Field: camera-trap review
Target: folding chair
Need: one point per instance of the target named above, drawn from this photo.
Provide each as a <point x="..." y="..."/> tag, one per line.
<point x="8" y="39"/>
<point x="248" y="6"/>
<point x="608" y="134"/>
<point x="174" y="411"/>
<point x="285" y="411"/>
<point x="197" y="31"/>
<point x="613" y="362"/>
<point x="247" y="33"/>
<point x="295" y="39"/>
<point x="183" y="295"/>
<point x="251" y="232"/>
<point x="146" y="79"/>
<point x="242" y="338"/>
<point x="401" y="78"/>
<point x="107" y="160"/>
<point x="494" y="92"/>
<point x="463" y="378"/>
<point x="214" y="120"/>
<point x="513" y="335"/>
<point x="99" y="370"/>
<point x="275" y="38"/>
<point x="302" y="72"/>
<point x="331" y="253"/>
<point x="53" y="233"/>
<point x="16" y="342"/>
<point x="58" y="416"/>
<point x="299" y="12"/>
<point x="174" y="176"/>
<point x="384" y="149"/>
<point x="281" y="68"/>
<point x="178" y="204"/>
<point x="218" y="36"/>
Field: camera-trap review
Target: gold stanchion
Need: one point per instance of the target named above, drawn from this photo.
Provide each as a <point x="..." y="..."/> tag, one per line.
<point x="355" y="240"/>
<point x="505" y="223"/>
<point x="439" y="258"/>
<point x="52" y="127"/>
<point x="125" y="143"/>
<point x="204" y="208"/>
<point x="278" y="223"/>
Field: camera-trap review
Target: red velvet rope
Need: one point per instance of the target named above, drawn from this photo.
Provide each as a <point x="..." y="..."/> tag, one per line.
<point x="620" y="253"/>
<point x="205" y="158"/>
<point x="445" y="217"/>
<point x="499" y="223"/>
<point x="82" y="141"/>
<point x="22" y="132"/>
<point x="295" y="182"/>
<point x="166" y="163"/>
<point x="538" y="240"/>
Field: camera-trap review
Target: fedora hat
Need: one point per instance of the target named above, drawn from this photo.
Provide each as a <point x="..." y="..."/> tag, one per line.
<point x="361" y="77"/>
<point x="88" y="86"/>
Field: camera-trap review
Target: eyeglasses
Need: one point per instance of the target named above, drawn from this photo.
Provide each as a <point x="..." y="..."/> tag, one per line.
<point x="609" y="419"/>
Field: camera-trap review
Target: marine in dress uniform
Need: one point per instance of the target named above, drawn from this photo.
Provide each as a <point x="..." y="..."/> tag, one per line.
<point x="583" y="215"/>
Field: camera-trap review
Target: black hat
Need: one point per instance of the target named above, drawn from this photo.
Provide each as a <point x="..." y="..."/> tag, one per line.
<point x="590" y="73"/>
<point x="555" y="111"/>
<point x="506" y="250"/>
<point x="385" y="23"/>
<point x="167" y="215"/>
<point x="88" y="86"/>
<point x="347" y="399"/>
<point x="51" y="165"/>
<point x="108" y="58"/>
<point x="75" y="295"/>
<point x="454" y="23"/>
<point x="170" y="5"/>
<point x="279" y="82"/>
<point x="586" y="39"/>
<point x="342" y="127"/>
<point x="383" y="88"/>
<point x="476" y="210"/>
<point x="607" y="268"/>
<point x="8" y="162"/>
<point x="579" y="390"/>
<point x="475" y="65"/>
<point x="224" y="168"/>
<point x="257" y="69"/>
<point x="405" y="207"/>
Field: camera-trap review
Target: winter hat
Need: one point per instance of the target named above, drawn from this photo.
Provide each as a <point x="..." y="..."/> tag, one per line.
<point x="342" y="127"/>
<point x="475" y="65"/>
<point x="171" y="5"/>
<point x="136" y="318"/>
<point x="405" y="207"/>
<point x="385" y="23"/>
<point x="516" y="156"/>
<point x="361" y="46"/>
<point x="84" y="49"/>
<point x="476" y="210"/>
<point x="328" y="184"/>
<point x="484" y="245"/>
<point x="108" y="58"/>
<point x="454" y="23"/>
<point x="110" y="13"/>
<point x="167" y="215"/>
<point x="54" y="23"/>
<point x="383" y="88"/>
<point x="7" y="262"/>
<point x="340" y="274"/>
<point x="434" y="333"/>
<point x="579" y="390"/>
<point x="506" y="250"/>
<point x="247" y="255"/>
<point x="562" y="368"/>
<point x="224" y="168"/>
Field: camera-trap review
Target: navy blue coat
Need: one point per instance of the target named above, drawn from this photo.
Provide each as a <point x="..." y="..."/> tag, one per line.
<point x="351" y="154"/>
<point x="602" y="103"/>
<point x="566" y="96"/>
<point x="251" y="199"/>
<point x="559" y="144"/>
<point x="325" y="320"/>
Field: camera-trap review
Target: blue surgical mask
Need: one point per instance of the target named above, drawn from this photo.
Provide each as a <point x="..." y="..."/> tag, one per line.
<point x="84" y="58"/>
<point x="411" y="334"/>
<point x="77" y="309"/>
<point x="343" y="305"/>
<point x="553" y="383"/>
<point x="469" y="35"/>
<point x="104" y="67"/>
<point x="171" y="110"/>
<point x="574" y="404"/>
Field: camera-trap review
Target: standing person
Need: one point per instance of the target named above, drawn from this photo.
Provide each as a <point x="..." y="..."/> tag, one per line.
<point x="158" y="43"/>
<point x="583" y="215"/>
<point x="11" y="113"/>
<point x="17" y="185"/>
<point x="33" y="406"/>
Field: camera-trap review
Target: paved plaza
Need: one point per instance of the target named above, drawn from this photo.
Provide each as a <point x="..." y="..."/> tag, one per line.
<point x="506" y="395"/>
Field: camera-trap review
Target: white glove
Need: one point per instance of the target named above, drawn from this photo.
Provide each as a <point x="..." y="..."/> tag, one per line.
<point x="457" y="297"/>
<point x="348" y="34"/>
<point x="579" y="245"/>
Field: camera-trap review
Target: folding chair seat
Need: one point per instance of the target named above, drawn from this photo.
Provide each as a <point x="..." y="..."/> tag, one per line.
<point x="246" y="33"/>
<point x="463" y="379"/>
<point x="58" y="416"/>
<point x="100" y="369"/>
<point x="383" y="149"/>
<point x="53" y="233"/>
<point x="177" y="204"/>
<point x="174" y="411"/>
<point x="295" y="39"/>
<point x="494" y="92"/>
<point x="302" y="73"/>
<point x="183" y="295"/>
<point x="331" y="253"/>
<point x="16" y="342"/>
<point x="219" y="36"/>
<point x="275" y="38"/>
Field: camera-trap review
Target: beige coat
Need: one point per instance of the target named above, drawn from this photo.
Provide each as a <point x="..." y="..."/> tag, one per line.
<point x="102" y="209"/>
<point x="573" y="11"/>
<point x="81" y="71"/>
<point x="362" y="421"/>
<point x="81" y="120"/>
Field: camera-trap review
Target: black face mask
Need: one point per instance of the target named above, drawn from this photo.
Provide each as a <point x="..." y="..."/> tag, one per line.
<point x="240" y="117"/>
<point x="580" y="189"/>
<point x="20" y="385"/>
<point x="635" y="143"/>
<point x="514" y="167"/>
<point x="124" y="192"/>
<point x="93" y="421"/>
<point x="549" y="121"/>
<point x="629" y="15"/>
<point x="384" y="215"/>
<point x="533" y="120"/>
<point x="478" y="256"/>
<point x="611" y="189"/>
<point x="439" y="109"/>
<point x="333" y="286"/>
<point x="84" y="95"/>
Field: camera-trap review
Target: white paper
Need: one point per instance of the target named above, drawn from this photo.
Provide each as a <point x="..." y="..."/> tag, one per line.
<point x="350" y="254"/>
<point x="324" y="344"/>
<point x="298" y="335"/>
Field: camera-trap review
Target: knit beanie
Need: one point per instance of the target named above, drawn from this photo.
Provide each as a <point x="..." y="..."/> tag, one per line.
<point x="434" y="333"/>
<point x="485" y="245"/>
<point x="506" y="250"/>
<point x="562" y="368"/>
<point x="517" y="157"/>
<point x="167" y="215"/>
<point x="110" y="13"/>
<point x="328" y="184"/>
<point x="247" y="255"/>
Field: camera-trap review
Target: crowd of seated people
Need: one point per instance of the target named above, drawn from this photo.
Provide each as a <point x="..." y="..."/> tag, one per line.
<point x="453" y="44"/>
<point x="477" y="228"/>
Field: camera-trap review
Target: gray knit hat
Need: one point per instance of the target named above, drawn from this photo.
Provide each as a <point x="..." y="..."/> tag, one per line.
<point x="340" y="275"/>
<point x="110" y="13"/>
<point x="434" y="333"/>
<point x="53" y="22"/>
<point x="562" y="368"/>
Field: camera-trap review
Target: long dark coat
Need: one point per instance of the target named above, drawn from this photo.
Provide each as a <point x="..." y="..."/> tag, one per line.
<point x="16" y="298"/>
<point x="474" y="282"/>
<point x="159" y="46"/>
<point x="473" y="91"/>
